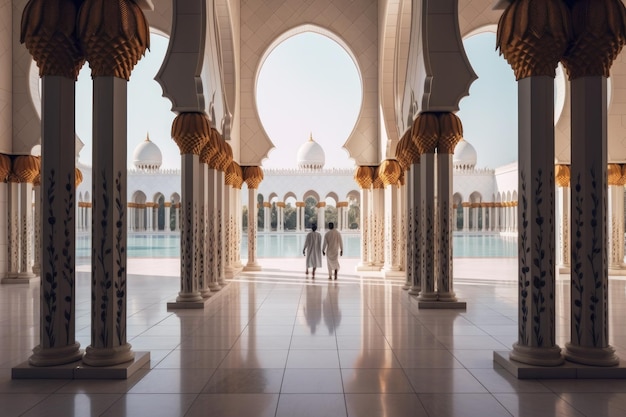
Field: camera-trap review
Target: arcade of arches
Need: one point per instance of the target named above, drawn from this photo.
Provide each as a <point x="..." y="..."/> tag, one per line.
<point x="414" y="74"/>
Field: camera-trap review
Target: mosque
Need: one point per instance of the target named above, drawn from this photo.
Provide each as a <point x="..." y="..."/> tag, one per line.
<point x="416" y="180"/>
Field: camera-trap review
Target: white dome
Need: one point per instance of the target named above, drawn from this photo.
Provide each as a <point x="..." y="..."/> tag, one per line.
<point x="311" y="155"/>
<point x="147" y="155"/>
<point x="464" y="156"/>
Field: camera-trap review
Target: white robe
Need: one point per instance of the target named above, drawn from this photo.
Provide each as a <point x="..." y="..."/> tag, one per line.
<point x="332" y="245"/>
<point x="312" y="249"/>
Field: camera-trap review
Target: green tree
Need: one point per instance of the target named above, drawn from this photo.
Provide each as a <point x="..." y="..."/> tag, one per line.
<point x="354" y="216"/>
<point x="244" y="217"/>
<point x="330" y="215"/>
<point x="290" y="217"/>
<point x="260" y="218"/>
<point x="310" y="211"/>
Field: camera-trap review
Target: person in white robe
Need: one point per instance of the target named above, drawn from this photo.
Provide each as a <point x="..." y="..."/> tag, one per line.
<point x="313" y="250"/>
<point x="332" y="249"/>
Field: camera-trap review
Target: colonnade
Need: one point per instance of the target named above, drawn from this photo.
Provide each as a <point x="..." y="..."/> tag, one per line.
<point x="494" y="217"/>
<point x="342" y="216"/>
<point x="210" y="209"/>
<point x="585" y="36"/>
<point x="142" y="217"/>
<point x="61" y="38"/>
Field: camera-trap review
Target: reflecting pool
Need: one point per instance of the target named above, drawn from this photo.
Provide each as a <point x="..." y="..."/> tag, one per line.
<point x="289" y="245"/>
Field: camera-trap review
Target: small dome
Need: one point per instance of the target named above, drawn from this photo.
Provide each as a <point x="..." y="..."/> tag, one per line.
<point x="311" y="155"/>
<point x="464" y="156"/>
<point x="147" y="155"/>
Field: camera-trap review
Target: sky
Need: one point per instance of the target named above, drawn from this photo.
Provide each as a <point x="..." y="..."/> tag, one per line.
<point x="309" y="85"/>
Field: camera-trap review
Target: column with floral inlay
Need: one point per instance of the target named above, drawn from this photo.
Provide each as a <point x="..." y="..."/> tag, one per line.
<point x="252" y="175"/>
<point x="390" y="172"/>
<point x="54" y="46"/>
<point x="599" y="32"/>
<point x="191" y="132"/>
<point x="425" y="136"/>
<point x="363" y="176"/>
<point x="562" y="179"/>
<point x="533" y="46"/>
<point x="113" y="36"/>
<point x="615" y="216"/>
<point x="450" y="133"/>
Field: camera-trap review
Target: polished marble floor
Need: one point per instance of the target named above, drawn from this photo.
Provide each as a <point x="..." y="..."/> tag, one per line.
<point x="273" y="343"/>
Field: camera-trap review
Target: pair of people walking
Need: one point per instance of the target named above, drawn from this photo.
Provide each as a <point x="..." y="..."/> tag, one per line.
<point x="332" y="249"/>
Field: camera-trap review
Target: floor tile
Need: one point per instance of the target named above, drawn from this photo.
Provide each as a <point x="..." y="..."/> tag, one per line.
<point x="365" y="358"/>
<point x="311" y="405"/>
<point x="316" y="358"/>
<point x="444" y="381"/>
<point x="153" y="405"/>
<point x="465" y="405"/>
<point x="368" y="405"/>
<point x="73" y="405"/>
<point x="234" y="405"/>
<point x="543" y="405"/>
<point x="239" y="381"/>
<point x="372" y="381"/>
<point x="312" y="381"/>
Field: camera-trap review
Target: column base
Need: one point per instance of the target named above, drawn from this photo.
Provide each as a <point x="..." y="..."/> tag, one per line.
<point x="233" y="271"/>
<point x="367" y="267"/>
<point x="427" y="296"/>
<point x="415" y="290"/>
<point x="78" y="370"/>
<point x="537" y="356"/>
<point x="98" y="357"/>
<point x="206" y="293"/>
<point x="568" y="370"/>
<point x="197" y="304"/>
<point x="393" y="273"/>
<point x="591" y="356"/>
<point x="19" y="279"/>
<point x="193" y="297"/>
<point x="441" y="305"/>
<point x="619" y="269"/>
<point x="55" y="356"/>
<point x="446" y="297"/>
<point x="252" y="267"/>
<point x="214" y="286"/>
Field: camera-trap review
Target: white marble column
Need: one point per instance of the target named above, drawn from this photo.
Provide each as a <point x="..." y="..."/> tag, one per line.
<point x="378" y="223"/>
<point x="466" y="216"/>
<point x="205" y="258"/>
<point x="219" y="222"/>
<point x="445" y="291"/>
<point x="252" y="264"/>
<point x="191" y="132"/>
<point x="37" y="226"/>
<point x="13" y="227"/>
<point x="168" y="225"/>
<point x="589" y="342"/>
<point x="109" y="345"/>
<point x="563" y="219"/>
<point x="57" y="337"/>
<point x="298" y="216"/>
<point x="414" y="246"/>
<point x="429" y="226"/>
<point x="321" y="216"/>
<point x="536" y="343"/>
<point x="391" y="249"/>
<point x="615" y="218"/>
<point x="267" y="218"/>
<point x="363" y="176"/>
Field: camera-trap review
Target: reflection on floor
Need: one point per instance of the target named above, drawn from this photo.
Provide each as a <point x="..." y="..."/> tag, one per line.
<point x="273" y="343"/>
